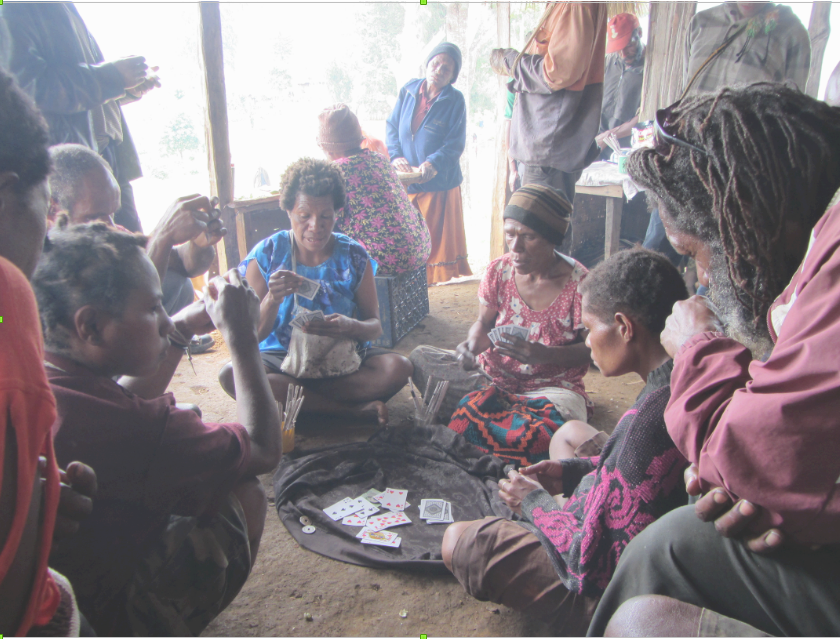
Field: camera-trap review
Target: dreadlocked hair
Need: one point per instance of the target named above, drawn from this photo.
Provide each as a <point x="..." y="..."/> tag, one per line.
<point x="773" y="157"/>
<point x="84" y="264"/>
<point x="23" y="136"/>
<point x="312" y="177"/>
<point x="640" y="283"/>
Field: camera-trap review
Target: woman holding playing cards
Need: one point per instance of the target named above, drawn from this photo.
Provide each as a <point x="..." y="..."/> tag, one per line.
<point x="529" y="335"/>
<point x="310" y="272"/>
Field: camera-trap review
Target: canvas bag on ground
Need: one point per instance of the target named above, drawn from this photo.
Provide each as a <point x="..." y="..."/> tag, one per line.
<point x="315" y="356"/>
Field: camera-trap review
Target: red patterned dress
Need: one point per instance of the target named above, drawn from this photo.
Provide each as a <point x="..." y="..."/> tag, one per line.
<point x="379" y="215"/>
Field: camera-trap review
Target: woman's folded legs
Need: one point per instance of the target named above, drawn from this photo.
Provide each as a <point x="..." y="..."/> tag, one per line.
<point x="360" y="394"/>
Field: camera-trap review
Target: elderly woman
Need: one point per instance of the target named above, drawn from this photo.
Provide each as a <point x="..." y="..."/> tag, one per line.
<point x="377" y="212"/>
<point x="428" y="129"/>
<point x="278" y="268"/>
<point x="538" y="375"/>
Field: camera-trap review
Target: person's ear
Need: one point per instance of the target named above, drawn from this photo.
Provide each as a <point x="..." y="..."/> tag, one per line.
<point x="8" y="182"/>
<point x="54" y="210"/>
<point x="89" y="323"/>
<point x="625" y="327"/>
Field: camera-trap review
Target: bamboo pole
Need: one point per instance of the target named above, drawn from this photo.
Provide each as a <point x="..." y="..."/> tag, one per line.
<point x="500" y="186"/>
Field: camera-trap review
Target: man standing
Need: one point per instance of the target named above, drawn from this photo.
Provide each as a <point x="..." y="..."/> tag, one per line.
<point x="623" y="75"/>
<point x="758" y="41"/>
<point x="559" y="82"/>
<point x="57" y="61"/>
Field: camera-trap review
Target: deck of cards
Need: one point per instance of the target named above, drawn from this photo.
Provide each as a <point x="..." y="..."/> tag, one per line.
<point x="496" y="335"/>
<point x="305" y="316"/>
<point x="436" y="511"/>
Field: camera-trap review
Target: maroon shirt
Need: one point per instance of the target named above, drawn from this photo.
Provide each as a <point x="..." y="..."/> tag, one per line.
<point x="152" y="460"/>
<point x="424" y="105"/>
<point x="768" y="431"/>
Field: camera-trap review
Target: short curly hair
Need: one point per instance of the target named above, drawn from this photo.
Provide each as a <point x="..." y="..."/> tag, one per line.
<point x="24" y="136"/>
<point x="84" y="264"/>
<point x="313" y="177"/>
<point x="642" y="284"/>
<point x="71" y="163"/>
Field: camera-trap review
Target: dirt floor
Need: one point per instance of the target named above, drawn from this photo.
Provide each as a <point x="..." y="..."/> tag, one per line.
<point x="347" y="600"/>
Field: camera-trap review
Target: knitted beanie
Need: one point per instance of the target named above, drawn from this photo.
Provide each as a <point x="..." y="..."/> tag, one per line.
<point x="542" y="208"/>
<point x="339" y="129"/>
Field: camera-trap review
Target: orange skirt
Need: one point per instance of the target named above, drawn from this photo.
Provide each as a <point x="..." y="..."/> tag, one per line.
<point x="444" y="216"/>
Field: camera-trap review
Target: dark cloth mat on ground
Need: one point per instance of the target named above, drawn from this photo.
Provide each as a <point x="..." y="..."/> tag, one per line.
<point x="429" y="462"/>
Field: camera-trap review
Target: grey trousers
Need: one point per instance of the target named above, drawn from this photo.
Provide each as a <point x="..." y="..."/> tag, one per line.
<point x="555" y="178"/>
<point x="794" y="592"/>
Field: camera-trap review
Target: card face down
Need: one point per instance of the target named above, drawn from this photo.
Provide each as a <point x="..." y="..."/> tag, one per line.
<point x="308" y="288"/>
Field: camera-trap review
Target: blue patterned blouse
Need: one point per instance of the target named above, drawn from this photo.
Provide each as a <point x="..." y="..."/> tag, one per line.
<point x="340" y="277"/>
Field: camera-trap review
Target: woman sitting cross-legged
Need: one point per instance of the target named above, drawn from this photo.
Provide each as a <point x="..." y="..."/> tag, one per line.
<point x="556" y="562"/>
<point x="285" y="265"/>
<point x="538" y="375"/>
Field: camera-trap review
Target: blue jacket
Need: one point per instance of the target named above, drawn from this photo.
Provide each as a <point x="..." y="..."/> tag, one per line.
<point x="440" y="139"/>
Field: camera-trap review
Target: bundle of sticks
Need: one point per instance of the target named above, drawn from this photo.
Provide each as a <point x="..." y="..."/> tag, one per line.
<point x="426" y="407"/>
<point x="294" y="399"/>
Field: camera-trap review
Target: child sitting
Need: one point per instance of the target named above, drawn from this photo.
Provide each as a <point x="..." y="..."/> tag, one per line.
<point x="558" y="560"/>
<point x="179" y="513"/>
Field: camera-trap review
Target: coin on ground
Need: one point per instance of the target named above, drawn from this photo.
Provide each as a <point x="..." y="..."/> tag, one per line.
<point x="309" y="529"/>
<point x="305" y="521"/>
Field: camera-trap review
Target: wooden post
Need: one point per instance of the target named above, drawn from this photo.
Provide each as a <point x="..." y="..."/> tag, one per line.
<point x="218" y="148"/>
<point x="500" y="186"/>
<point x="818" y="30"/>
<point x="663" y="82"/>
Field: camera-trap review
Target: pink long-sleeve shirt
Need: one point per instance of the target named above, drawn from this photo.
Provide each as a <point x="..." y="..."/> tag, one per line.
<point x="769" y="431"/>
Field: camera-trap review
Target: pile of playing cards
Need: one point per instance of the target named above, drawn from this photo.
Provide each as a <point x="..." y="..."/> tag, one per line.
<point x="305" y="316"/>
<point x="509" y="329"/>
<point x="436" y="511"/>
<point x="362" y="512"/>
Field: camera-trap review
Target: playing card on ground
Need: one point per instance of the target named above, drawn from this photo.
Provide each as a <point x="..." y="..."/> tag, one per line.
<point x="381" y="538"/>
<point x="447" y="516"/>
<point x="380" y="534"/>
<point x="370" y="494"/>
<point x="308" y="288"/>
<point x="381" y="522"/>
<point x="354" y="520"/>
<point x="369" y="508"/>
<point x="342" y="508"/>
<point x="394" y="499"/>
<point x="432" y="508"/>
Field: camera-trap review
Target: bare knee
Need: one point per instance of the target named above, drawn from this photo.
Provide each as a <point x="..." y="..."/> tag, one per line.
<point x="393" y="372"/>
<point x="251" y="496"/>
<point x="450" y="540"/>
<point x="568" y="437"/>
<point x="226" y="379"/>
<point x="193" y="407"/>
<point x="654" y="616"/>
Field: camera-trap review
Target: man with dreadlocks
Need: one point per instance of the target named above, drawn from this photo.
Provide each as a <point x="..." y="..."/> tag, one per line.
<point x="742" y="178"/>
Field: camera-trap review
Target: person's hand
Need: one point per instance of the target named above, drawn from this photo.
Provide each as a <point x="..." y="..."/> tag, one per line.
<point x="401" y="165"/>
<point x="194" y="319"/>
<point x="731" y="518"/>
<point x="521" y="350"/>
<point x="427" y="172"/>
<point x="151" y="82"/>
<point x="549" y="473"/>
<point x="688" y="318"/>
<point x="466" y="358"/>
<point x="601" y="139"/>
<point x="132" y="69"/>
<point x="514" y="489"/>
<point x="185" y="219"/>
<point x="283" y="283"/>
<point x="75" y="501"/>
<point x="512" y="175"/>
<point x="497" y="61"/>
<point x="233" y="305"/>
<point x="214" y="232"/>
<point x="334" y="325"/>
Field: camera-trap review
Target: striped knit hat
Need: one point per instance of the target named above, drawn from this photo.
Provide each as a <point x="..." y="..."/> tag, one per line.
<point x="541" y="208"/>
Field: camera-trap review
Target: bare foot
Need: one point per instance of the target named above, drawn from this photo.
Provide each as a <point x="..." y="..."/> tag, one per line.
<point x="374" y="411"/>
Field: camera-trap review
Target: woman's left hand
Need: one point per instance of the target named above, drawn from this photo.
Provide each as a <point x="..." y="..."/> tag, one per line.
<point x="521" y="350"/>
<point x="514" y="489"/>
<point x="427" y="171"/>
<point x="334" y="325"/>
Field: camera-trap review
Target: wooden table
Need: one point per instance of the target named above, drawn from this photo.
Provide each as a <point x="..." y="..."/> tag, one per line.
<point x="614" y="195"/>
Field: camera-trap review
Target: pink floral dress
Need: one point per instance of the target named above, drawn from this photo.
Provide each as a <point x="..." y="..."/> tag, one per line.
<point x="558" y="325"/>
<point x="379" y="215"/>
